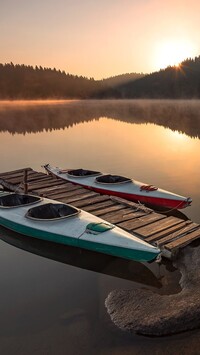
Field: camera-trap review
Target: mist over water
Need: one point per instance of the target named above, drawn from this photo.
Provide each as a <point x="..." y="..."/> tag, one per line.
<point x="52" y="299"/>
<point x="36" y="116"/>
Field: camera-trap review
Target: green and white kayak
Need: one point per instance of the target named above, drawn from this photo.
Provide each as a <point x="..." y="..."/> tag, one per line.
<point x="57" y="222"/>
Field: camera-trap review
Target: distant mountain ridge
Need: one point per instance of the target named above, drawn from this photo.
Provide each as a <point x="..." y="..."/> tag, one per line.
<point x="27" y="82"/>
<point x="122" y="79"/>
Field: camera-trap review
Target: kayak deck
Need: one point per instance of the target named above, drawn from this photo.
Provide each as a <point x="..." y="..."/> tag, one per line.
<point x="120" y="186"/>
<point x="65" y="224"/>
<point x="169" y="232"/>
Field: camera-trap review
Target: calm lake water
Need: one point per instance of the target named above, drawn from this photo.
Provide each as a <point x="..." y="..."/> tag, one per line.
<point x="52" y="298"/>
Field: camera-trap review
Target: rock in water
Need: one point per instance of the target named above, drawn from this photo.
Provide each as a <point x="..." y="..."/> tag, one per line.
<point x="145" y="312"/>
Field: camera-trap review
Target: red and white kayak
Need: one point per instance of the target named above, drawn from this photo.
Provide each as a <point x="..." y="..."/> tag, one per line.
<point x="121" y="186"/>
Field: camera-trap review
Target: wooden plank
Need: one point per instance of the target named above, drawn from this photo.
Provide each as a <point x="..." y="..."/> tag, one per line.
<point x="89" y="200"/>
<point x="77" y="199"/>
<point x="168" y="233"/>
<point x="12" y="179"/>
<point x="15" y="181"/>
<point x="48" y="183"/>
<point x="156" y="227"/>
<point x="66" y="188"/>
<point x="21" y="174"/>
<point x="2" y="181"/>
<point x="18" y="180"/>
<point x="7" y="173"/>
<point x="121" y="217"/>
<point x="123" y="211"/>
<point x="53" y="188"/>
<point x="137" y="206"/>
<point x="68" y="194"/>
<point x="92" y="208"/>
<point x="102" y="211"/>
<point x="178" y="234"/>
<point x="46" y="179"/>
<point x="182" y="242"/>
<point x="112" y="211"/>
<point x="36" y="178"/>
<point x="33" y="172"/>
<point x="140" y="222"/>
<point x="13" y="176"/>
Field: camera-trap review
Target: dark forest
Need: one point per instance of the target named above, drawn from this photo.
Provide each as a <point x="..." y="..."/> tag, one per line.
<point x="27" y="82"/>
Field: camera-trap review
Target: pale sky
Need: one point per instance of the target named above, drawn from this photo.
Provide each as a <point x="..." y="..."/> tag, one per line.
<point x="99" y="38"/>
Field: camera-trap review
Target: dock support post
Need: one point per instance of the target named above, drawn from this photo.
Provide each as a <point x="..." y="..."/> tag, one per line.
<point x="25" y="183"/>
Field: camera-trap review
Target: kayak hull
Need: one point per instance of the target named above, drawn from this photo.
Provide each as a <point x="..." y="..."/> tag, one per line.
<point x="73" y="232"/>
<point x="132" y="190"/>
<point x="148" y="200"/>
<point x="125" y="253"/>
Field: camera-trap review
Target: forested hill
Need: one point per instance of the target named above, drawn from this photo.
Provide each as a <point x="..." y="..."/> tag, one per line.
<point x="117" y="80"/>
<point x="27" y="82"/>
<point x="173" y="82"/>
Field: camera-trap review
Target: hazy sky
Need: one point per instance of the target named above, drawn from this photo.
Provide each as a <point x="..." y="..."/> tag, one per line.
<point x="99" y="38"/>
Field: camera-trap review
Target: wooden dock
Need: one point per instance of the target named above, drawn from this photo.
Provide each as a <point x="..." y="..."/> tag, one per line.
<point x="168" y="232"/>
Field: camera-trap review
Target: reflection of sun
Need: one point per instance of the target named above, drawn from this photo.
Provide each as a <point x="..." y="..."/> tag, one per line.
<point x="172" y="53"/>
<point x="177" y="137"/>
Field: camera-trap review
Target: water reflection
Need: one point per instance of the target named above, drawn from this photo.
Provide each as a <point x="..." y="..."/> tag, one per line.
<point x="105" y="264"/>
<point x="32" y="117"/>
<point x="49" y="306"/>
<point x="92" y="135"/>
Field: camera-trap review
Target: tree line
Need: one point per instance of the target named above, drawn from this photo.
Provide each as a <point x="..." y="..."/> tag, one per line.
<point x="174" y="82"/>
<point x="28" y="82"/>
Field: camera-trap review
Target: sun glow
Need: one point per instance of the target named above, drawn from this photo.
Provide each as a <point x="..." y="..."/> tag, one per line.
<point x="177" y="139"/>
<point x="172" y="53"/>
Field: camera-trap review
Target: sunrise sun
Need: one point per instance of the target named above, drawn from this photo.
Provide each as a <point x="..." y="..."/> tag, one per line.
<point x="173" y="52"/>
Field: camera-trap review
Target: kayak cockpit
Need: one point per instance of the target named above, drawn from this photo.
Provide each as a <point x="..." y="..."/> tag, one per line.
<point x="112" y="179"/>
<point x="52" y="211"/>
<point x="82" y="173"/>
<point x="17" y="200"/>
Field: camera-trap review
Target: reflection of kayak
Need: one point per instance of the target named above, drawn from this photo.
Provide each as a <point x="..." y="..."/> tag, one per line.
<point x="84" y="259"/>
<point x="64" y="224"/>
<point x="121" y="186"/>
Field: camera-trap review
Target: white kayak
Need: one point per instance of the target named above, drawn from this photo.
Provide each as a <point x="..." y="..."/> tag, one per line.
<point x="64" y="224"/>
<point x="121" y="186"/>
